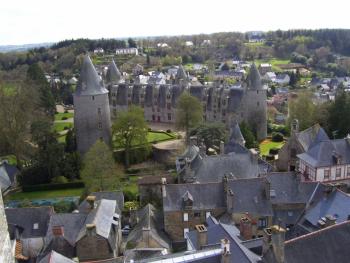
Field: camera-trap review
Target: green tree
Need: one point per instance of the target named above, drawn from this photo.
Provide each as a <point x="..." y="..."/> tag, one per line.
<point x="303" y="109"/>
<point x="71" y="144"/>
<point x="211" y="134"/>
<point x="132" y="43"/>
<point x="189" y="113"/>
<point x="99" y="171"/>
<point x="248" y="135"/>
<point x="130" y="129"/>
<point x="339" y="115"/>
<point x="35" y="74"/>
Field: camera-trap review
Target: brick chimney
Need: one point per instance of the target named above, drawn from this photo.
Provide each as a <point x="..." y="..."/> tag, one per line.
<point x="91" y="229"/>
<point x="202" y="235"/>
<point x="254" y="155"/>
<point x="226" y="253"/>
<point x="245" y="227"/>
<point x="58" y="231"/>
<point x="230" y="199"/>
<point x="277" y="239"/>
<point x="91" y="200"/>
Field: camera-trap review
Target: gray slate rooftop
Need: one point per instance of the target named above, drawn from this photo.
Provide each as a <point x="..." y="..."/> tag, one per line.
<point x="55" y="257"/>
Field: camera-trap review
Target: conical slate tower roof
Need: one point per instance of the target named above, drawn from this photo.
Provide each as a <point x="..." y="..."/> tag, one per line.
<point x="89" y="81"/>
<point x="254" y="79"/>
<point x="181" y="73"/>
<point x="236" y="134"/>
<point x="113" y="74"/>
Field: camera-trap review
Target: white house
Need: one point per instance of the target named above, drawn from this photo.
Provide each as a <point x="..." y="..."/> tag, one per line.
<point x="127" y="51"/>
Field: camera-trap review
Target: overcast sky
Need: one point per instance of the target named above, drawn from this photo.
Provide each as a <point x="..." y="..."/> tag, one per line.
<point x="36" y="21"/>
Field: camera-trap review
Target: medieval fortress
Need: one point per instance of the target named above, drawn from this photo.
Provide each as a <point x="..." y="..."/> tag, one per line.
<point x="98" y="99"/>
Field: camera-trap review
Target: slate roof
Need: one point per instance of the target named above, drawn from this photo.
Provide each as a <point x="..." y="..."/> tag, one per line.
<point x="337" y="204"/>
<point x="118" y="196"/>
<point x="217" y="231"/>
<point x="181" y="73"/>
<point x="205" y="196"/>
<point x="55" y="257"/>
<point x="89" y="82"/>
<point x="25" y="218"/>
<point x="141" y="253"/>
<point x="113" y="74"/>
<point x="311" y="136"/>
<point x="236" y="134"/>
<point x="327" y="245"/>
<point x="7" y="175"/>
<point x="151" y="219"/>
<point x="323" y="153"/>
<point x="249" y="196"/>
<point x="253" y="78"/>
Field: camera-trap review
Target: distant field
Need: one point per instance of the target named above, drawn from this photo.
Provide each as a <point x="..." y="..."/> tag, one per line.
<point x="267" y="144"/>
<point x="45" y="194"/>
<point x="59" y="116"/>
<point x="274" y="63"/>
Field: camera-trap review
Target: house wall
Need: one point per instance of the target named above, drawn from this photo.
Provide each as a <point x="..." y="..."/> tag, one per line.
<point x="5" y="245"/>
<point x="174" y="222"/>
<point x="317" y="174"/>
<point x="285" y="158"/>
<point x="94" y="247"/>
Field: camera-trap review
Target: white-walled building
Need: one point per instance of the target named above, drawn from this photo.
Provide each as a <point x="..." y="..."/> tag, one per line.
<point x="127" y="51"/>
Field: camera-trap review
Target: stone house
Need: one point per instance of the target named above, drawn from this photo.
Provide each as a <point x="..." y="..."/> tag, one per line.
<point x="299" y="142"/>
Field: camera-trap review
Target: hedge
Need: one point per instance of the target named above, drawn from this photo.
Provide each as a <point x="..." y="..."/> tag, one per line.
<point x="44" y="187"/>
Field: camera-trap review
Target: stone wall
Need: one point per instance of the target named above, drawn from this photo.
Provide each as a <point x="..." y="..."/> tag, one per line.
<point x="5" y="245"/>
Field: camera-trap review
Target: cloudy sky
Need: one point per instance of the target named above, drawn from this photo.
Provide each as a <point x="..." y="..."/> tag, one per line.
<point x="36" y="21"/>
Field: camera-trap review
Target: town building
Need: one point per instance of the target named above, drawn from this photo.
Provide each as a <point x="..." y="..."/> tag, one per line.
<point x="127" y="51"/>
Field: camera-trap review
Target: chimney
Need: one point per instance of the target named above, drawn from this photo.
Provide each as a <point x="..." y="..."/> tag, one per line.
<point x="245" y="226"/>
<point x="225" y="248"/>
<point x="91" y="229"/>
<point x="229" y="200"/>
<point x="193" y="140"/>
<point x="254" y="155"/>
<point x="330" y="220"/>
<point x="202" y="236"/>
<point x="91" y="200"/>
<point x="145" y="236"/>
<point x="277" y="240"/>
<point x="267" y="189"/>
<point x="163" y="187"/>
<point x="295" y="126"/>
<point x="58" y="231"/>
<point x="222" y="147"/>
<point x="266" y="240"/>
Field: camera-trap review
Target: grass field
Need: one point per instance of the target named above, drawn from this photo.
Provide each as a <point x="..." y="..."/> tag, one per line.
<point x="274" y="63"/>
<point x="45" y="194"/>
<point x="59" y="116"/>
<point x="267" y="144"/>
<point x="59" y="126"/>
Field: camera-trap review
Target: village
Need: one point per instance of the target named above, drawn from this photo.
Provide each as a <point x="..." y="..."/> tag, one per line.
<point x="136" y="158"/>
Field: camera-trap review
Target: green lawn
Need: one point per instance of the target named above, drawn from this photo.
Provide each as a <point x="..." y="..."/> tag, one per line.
<point x="10" y="158"/>
<point x="45" y="194"/>
<point x="59" y="126"/>
<point x="131" y="185"/>
<point x="59" y="116"/>
<point x="62" y="138"/>
<point x="274" y="63"/>
<point x="267" y="144"/>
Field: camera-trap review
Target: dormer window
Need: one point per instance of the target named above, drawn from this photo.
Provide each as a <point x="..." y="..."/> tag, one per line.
<point x="36" y="226"/>
<point x="93" y="97"/>
<point x="187" y="201"/>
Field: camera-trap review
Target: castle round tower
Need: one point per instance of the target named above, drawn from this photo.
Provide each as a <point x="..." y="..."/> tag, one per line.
<point x="255" y="103"/>
<point x="92" y="120"/>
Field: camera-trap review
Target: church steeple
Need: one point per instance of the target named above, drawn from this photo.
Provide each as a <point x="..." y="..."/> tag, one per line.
<point x="253" y="78"/>
<point x="89" y="83"/>
<point x="113" y="75"/>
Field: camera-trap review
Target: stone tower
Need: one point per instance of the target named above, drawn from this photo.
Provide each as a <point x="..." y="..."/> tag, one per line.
<point x="91" y="108"/>
<point x="255" y="103"/>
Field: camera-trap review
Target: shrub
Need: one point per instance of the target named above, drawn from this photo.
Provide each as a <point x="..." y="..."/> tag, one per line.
<point x="64" y="207"/>
<point x="65" y="111"/>
<point x="132" y="171"/>
<point x="60" y="180"/>
<point x="66" y="128"/>
<point x="64" y="118"/>
<point x="168" y="131"/>
<point x="270" y="157"/>
<point x="277" y="137"/>
<point x="131" y="205"/>
<point x="274" y="151"/>
<point x="44" y="187"/>
<point x="129" y="196"/>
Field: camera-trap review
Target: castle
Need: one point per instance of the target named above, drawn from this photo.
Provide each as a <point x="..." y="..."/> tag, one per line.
<point x="221" y="103"/>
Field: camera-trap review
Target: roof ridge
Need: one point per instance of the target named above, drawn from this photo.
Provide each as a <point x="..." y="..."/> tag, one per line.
<point x="315" y="233"/>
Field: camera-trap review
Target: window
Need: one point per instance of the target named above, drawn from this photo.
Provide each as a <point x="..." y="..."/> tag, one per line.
<point x="168" y="105"/>
<point x="185" y="217"/>
<point x="257" y="104"/>
<point x="338" y="172"/>
<point x="207" y="214"/>
<point x="197" y="214"/>
<point x="169" y="116"/>
<point x="93" y="97"/>
<point x="186" y="230"/>
<point x="348" y="171"/>
<point x="114" y="103"/>
<point x="262" y="223"/>
<point x="99" y="111"/>
<point x="100" y="125"/>
<point x="36" y="226"/>
<point x="326" y="174"/>
<point x="257" y="92"/>
<point x="293" y="153"/>
<point x="114" y="112"/>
